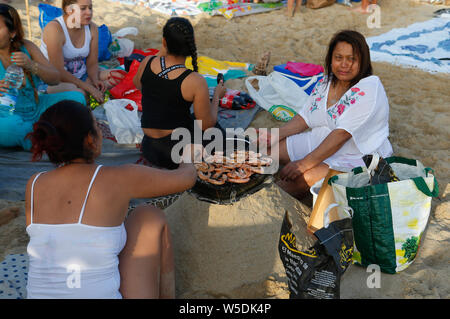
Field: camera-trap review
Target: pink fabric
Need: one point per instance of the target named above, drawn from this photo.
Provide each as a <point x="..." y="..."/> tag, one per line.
<point x="304" y="69"/>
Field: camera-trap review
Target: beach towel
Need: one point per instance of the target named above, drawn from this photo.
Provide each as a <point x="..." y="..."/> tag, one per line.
<point x="14" y="276"/>
<point x="423" y="45"/>
<point x="210" y="66"/>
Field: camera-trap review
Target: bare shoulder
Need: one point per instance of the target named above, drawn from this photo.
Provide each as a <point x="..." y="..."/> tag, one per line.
<point x="53" y="28"/>
<point x="53" y="31"/>
<point x="94" y="28"/>
<point x="195" y="80"/>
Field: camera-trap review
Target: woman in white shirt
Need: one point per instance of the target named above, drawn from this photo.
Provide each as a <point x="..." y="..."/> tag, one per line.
<point x="347" y="114"/>
<point x="73" y="50"/>
<point x="82" y="245"/>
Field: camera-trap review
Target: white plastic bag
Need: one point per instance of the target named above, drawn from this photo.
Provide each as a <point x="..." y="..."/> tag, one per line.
<point x="123" y="122"/>
<point x="120" y="46"/>
<point x="276" y="89"/>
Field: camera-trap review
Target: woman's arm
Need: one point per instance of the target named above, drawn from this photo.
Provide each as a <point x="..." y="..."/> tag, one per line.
<point x="38" y="64"/>
<point x="92" y="58"/>
<point x="139" y="181"/>
<point x="330" y="145"/>
<point x="295" y="126"/>
<point x="138" y="75"/>
<point x="204" y="110"/>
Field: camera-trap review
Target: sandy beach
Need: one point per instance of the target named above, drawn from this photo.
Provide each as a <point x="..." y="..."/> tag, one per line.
<point x="241" y="259"/>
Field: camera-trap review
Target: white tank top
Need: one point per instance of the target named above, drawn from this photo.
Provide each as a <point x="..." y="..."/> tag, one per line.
<point x="74" y="260"/>
<point x="74" y="58"/>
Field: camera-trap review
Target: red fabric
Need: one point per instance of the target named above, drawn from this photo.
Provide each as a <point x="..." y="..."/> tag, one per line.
<point x="126" y="89"/>
<point x="304" y="69"/>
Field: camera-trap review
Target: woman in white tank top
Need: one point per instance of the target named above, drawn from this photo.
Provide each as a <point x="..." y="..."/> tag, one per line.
<point x="81" y="245"/>
<point x="70" y="43"/>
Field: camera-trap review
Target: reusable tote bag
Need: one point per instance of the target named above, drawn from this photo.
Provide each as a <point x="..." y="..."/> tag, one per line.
<point x="278" y="95"/>
<point x="389" y="219"/>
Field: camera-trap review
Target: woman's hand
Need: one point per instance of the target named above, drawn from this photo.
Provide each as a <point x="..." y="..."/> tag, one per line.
<point x="3" y="87"/>
<point x="100" y="85"/>
<point x="21" y="59"/>
<point x="220" y="90"/>
<point x="264" y="137"/>
<point x="96" y="93"/>
<point x="293" y="170"/>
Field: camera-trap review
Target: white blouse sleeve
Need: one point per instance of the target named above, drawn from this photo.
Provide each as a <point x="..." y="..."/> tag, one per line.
<point x="365" y="114"/>
<point x="305" y="111"/>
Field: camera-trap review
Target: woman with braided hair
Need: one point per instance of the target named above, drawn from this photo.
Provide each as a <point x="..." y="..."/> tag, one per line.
<point x="14" y="49"/>
<point x="168" y="91"/>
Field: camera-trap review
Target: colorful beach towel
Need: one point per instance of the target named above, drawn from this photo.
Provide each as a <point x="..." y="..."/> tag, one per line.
<point x="226" y="8"/>
<point x="424" y="45"/>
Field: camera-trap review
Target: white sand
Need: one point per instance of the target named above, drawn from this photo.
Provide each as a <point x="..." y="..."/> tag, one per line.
<point x="231" y="251"/>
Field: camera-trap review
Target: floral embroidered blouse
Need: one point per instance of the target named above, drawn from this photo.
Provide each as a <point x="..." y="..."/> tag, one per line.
<point x="363" y="111"/>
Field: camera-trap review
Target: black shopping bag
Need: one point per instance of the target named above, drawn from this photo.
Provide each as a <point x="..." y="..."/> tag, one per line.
<point x="316" y="272"/>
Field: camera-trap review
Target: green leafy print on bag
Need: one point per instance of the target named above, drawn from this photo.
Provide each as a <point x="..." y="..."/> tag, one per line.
<point x="410" y="247"/>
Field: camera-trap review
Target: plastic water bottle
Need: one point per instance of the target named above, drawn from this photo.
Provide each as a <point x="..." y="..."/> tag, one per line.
<point x="13" y="78"/>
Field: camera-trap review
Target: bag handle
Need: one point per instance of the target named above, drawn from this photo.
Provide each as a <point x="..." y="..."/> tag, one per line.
<point x="423" y="187"/>
<point x="326" y="215"/>
<point x="312" y="78"/>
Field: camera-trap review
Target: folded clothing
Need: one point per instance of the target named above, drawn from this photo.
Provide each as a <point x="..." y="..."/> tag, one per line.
<point x="304" y="69"/>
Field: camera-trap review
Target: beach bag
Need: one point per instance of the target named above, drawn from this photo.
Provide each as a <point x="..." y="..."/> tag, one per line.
<point x="316" y="273"/>
<point x="316" y="4"/>
<point x="124" y="121"/>
<point x="120" y="46"/>
<point x="389" y="218"/>
<point x="126" y="88"/>
<point x="278" y="95"/>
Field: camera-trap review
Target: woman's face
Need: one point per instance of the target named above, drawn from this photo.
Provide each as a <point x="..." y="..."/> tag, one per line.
<point x="85" y="11"/>
<point x="5" y="35"/>
<point x="344" y="64"/>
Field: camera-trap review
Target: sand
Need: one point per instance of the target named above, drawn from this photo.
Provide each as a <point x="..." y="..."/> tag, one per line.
<point x="230" y="251"/>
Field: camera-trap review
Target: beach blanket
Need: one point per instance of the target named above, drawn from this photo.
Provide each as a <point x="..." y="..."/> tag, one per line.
<point x="14" y="276"/>
<point x="226" y="8"/>
<point x="424" y="45"/>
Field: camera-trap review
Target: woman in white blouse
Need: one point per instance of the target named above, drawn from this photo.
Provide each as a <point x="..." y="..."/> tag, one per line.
<point x="347" y="114"/>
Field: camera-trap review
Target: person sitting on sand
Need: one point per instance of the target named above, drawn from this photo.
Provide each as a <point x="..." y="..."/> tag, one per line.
<point x="79" y="228"/>
<point x="73" y="50"/>
<point x="14" y="49"/>
<point x="168" y="91"/>
<point x="347" y="112"/>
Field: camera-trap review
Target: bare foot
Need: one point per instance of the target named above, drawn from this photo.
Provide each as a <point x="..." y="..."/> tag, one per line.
<point x="8" y="214"/>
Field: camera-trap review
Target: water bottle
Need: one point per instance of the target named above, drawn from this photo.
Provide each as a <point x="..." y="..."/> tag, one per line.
<point x="14" y="78"/>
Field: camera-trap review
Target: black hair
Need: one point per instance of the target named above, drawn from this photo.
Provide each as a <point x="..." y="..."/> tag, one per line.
<point x="360" y="49"/>
<point x="60" y="132"/>
<point x="179" y="35"/>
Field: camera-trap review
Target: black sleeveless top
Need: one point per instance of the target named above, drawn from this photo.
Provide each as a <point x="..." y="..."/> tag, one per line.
<point x="163" y="106"/>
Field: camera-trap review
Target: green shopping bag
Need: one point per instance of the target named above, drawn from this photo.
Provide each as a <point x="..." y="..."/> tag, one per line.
<point x="389" y="219"/>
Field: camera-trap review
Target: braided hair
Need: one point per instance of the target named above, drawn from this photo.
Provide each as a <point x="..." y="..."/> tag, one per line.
<point x="179" y="35"/>
<point x="13" y="23"/>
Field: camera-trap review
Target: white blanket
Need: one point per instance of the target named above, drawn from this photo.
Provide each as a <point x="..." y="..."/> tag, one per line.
<point x="424" y="45"/>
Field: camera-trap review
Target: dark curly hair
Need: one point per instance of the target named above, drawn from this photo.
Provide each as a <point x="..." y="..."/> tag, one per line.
<point x="360" y="49"/>
<point x="60" y="132"/>
<point x="179" y="35"/>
